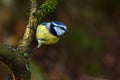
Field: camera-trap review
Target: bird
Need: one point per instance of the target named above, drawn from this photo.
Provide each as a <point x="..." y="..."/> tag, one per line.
<point x="48" y="33"/>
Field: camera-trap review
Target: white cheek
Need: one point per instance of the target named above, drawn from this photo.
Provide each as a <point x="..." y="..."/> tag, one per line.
<point x="48" y="25"/>
<point x="59" y="31"/>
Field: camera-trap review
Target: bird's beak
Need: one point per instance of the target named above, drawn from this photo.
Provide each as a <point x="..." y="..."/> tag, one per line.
<point x="66" y="30"/>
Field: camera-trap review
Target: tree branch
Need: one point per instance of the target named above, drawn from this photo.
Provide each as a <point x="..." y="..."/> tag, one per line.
<point x="18" y="59"/>
<point x="32" y="21"/>
<point x="47" y="7"/>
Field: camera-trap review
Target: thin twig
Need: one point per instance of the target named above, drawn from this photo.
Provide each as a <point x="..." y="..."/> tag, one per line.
<point x="33" y="3"/>
<point x="32" y="21"/>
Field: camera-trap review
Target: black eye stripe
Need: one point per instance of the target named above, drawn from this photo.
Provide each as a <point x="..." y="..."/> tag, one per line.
<point x="62" y="28"/>
<point x="52" y="30"/>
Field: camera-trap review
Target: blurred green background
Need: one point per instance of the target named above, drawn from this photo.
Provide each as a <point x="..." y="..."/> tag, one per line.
<point x="89" y="51"/>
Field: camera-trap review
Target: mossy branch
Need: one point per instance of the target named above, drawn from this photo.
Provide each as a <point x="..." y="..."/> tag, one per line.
<point x="18" y="59"/>
<point x="47" y="7"/>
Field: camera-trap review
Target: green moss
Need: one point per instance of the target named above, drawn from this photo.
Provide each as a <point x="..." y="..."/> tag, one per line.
<point x="47" y="7"/>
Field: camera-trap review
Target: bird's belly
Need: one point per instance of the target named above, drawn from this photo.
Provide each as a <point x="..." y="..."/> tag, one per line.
<point x="51" y="40"/>
<point x="47" y="37"/>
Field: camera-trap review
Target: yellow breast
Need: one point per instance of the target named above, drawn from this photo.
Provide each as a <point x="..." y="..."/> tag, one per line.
<point x="43" y="33"/>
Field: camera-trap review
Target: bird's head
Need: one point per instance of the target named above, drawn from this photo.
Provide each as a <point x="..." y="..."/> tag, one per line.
<point x="56" y="28"/>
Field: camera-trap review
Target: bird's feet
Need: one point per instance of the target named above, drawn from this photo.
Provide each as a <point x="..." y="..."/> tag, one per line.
<point x="33" y="28"/>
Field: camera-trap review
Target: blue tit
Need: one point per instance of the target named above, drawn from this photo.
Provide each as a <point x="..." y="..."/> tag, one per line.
<point x="48" y="33"/>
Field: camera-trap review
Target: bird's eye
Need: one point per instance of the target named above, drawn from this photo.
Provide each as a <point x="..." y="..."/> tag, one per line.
<point x="62" y="28"/>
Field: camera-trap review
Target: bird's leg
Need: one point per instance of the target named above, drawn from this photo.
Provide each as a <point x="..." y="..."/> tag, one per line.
<point x="33" y="28"/>
<point x="31" y="50"/>
<point x="38" y="46"/>
<point x="39" y="41"/>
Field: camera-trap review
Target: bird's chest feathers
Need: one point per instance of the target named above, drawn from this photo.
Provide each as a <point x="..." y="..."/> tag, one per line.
<point x="43" y="33"/>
